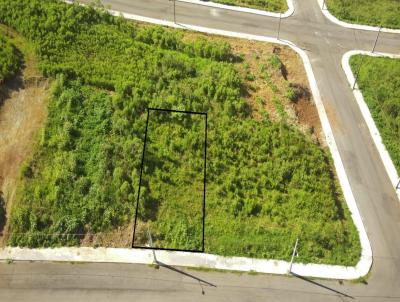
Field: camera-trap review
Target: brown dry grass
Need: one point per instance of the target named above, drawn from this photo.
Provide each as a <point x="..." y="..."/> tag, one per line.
<point x="119" y="238"/>
<point x="302" y="113"/>
<point x="22" y="113"/>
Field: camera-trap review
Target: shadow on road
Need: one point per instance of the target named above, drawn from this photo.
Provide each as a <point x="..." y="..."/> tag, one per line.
<point x="320" y="285"/>
<point x="159" y="263"/>
<point x="184" y="273"/>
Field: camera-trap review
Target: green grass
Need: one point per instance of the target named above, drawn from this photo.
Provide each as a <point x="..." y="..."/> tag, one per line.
<point x="267" y="182"/>
<point x="369" y="12"/>
<point x="379" y="81"/>
<point x="10" y="60"/>
<point x="268" y="5"/>
<point x="174" y="171"/>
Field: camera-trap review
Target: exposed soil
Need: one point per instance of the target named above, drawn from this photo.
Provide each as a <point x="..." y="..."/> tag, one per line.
<point x="303" y="111"/>
<point x="22" y="113"/>
<point x="120" y="238"/>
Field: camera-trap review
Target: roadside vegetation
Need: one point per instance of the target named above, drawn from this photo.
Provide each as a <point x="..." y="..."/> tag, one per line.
<point x="267" y="5"/>
<point x="385" y="13"/>
<point x="268" y="179"/>
<point x="379" y="81"/>
<point x="173" y="180"/>
<point x="9" y="59"/>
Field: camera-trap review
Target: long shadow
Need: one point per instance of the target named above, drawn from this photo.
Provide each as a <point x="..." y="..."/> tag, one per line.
<point x="179" y="271"/>
<point x="231" y="58"/>
<point x="3" y="217"/>
<point x="184" y="273"/>
<point x="15" y="81"/>
<point x="10" y="85"/>
<point x="333" y="188"/>
<point x="320" y="285"/>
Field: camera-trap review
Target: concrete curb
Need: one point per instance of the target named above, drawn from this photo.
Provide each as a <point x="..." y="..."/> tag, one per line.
<point x="384" y="154"/>
<point x="286" y="14"/>
<point x="214" y="261"/>
<point x="333" y="19"/>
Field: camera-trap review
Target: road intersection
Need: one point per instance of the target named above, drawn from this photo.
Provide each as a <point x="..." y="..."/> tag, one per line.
<point x="325" y="43"/>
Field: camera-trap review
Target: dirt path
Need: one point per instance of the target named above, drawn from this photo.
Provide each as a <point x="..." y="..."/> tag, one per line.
<point x="22" y="113"/>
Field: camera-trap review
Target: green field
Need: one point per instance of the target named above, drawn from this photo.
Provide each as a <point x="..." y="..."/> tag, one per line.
<point x="369" y="12"/>
<point x="267" y="5"/>
<point x="9" y="59"/>
<point x="174" y="171"/>
<point x="379" y="81"/>
<point x="267" y="181"/>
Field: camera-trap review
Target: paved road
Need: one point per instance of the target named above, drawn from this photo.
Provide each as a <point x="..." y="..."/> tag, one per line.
<point x="45" y="282"/>
<point x="325" y="43"/>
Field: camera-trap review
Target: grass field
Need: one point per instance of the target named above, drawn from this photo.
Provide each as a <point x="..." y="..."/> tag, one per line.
<point x="369" y="12"/>
<point x="379" y="81"/>
<point x="267" y="5"/>
<point x="269" y="179"/>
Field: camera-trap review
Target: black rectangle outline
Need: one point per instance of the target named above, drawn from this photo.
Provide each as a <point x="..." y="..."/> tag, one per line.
<point x="204" y="179"/>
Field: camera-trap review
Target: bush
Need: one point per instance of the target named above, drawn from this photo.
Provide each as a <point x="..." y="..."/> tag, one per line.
<point x="9" y="59"/>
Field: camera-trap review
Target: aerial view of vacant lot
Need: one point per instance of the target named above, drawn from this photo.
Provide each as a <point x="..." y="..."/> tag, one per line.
<point x="270" y="177"/>
<point x="199" y="150"/>
<point x="383" y="13"/>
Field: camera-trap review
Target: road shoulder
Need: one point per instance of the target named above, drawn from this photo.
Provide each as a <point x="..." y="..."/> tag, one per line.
<point x="255" y="11"/>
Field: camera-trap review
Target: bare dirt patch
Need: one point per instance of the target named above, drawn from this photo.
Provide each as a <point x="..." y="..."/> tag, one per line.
<point x="267" y="86"/>
<point x="119" y="238"/>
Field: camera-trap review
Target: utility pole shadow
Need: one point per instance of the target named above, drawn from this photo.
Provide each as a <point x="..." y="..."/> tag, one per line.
<point x="320" y="285"/>
<point x="159" y="263"/>
<point x="184" y="273"/>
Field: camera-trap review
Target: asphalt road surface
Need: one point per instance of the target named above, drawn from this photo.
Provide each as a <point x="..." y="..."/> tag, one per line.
<point x="325" y="44"/>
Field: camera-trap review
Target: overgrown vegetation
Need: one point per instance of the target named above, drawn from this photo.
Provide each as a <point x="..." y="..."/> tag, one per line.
<point x="370" y="12"/>
<point x="172" y="203"/>
<point x="9" y="59"/>
<point x="267" y="182"/>
<point x="268" y="5"/>
<point x="379" y="81"/>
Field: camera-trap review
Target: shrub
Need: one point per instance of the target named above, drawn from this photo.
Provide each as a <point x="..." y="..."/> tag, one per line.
<point x="9" y="59"/>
